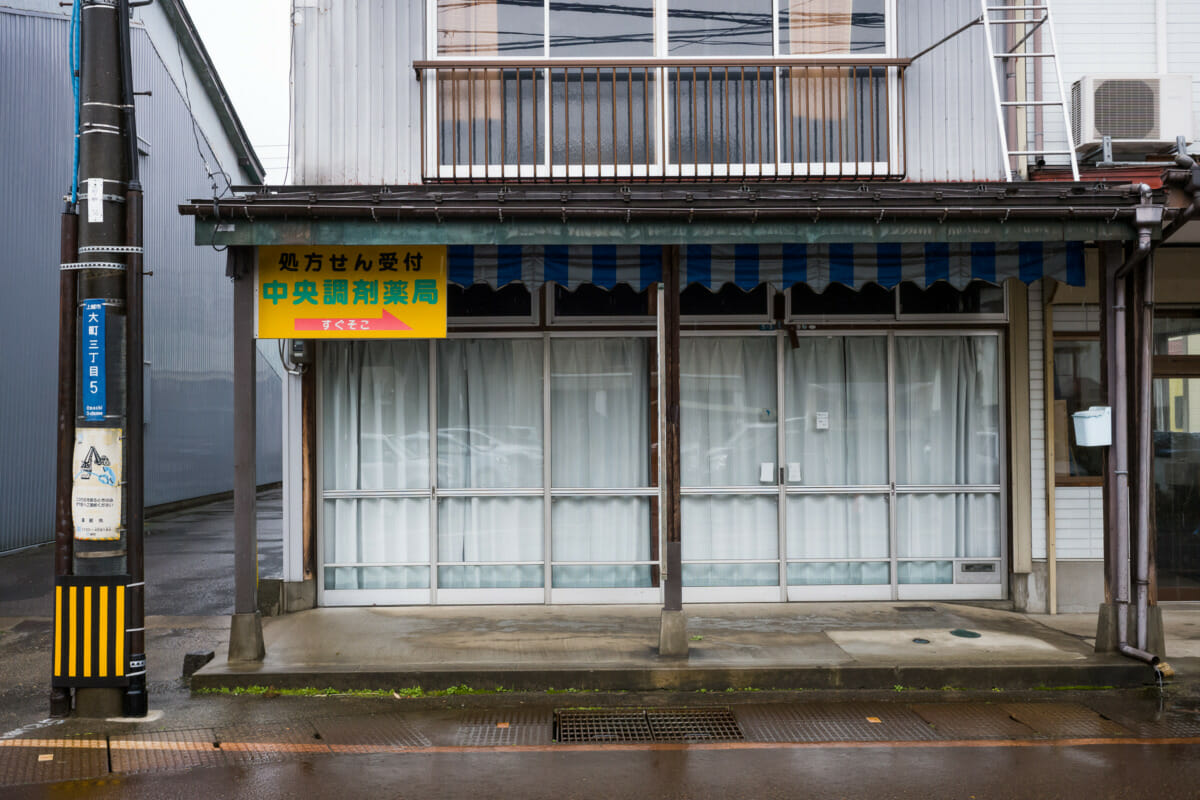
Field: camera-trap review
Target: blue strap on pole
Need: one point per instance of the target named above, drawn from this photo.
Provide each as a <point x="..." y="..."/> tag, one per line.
<point x="73" y="51"/>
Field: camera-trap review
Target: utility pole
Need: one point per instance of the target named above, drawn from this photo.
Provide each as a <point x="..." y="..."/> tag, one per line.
<point x="100" y="639"/>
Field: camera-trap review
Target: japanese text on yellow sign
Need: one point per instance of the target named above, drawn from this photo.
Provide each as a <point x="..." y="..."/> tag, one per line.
<point x="348" y="292"/>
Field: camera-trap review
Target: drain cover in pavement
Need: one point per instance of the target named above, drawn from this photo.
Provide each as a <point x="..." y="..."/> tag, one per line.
<point x="600" y="725"/>
<point x="1064" y="720"/>
<point x="694" y="725"/>
<point x="965" y="633"/>
<point x="973" y="721"/>
<point x="834" y="722"/>
<point x="505" y="728"/>
<point x="645" y="725"/>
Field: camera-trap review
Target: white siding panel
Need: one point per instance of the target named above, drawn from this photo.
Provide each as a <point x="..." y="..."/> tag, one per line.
<point x="356" y="114"/>
<point x="1077" y="319"/>
<point x="952" y="132"/>
<point x="1037" y="417"/>
<point x="1098" y="37"/>
<point x="356" y="101"/>
<point x="1183" y="49"/>
<point x="1079" y="522"/>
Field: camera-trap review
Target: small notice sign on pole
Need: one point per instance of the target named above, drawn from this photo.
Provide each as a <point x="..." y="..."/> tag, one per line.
<point x="350" y="292"/>
<point x="96" y="490"/>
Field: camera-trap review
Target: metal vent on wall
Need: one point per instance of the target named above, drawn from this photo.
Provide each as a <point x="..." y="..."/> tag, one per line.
<point x="1127" y="109"/>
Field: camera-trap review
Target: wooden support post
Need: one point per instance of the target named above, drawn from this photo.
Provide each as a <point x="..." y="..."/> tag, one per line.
<point x="673" y="640"/>
<point x="245" y="637"/>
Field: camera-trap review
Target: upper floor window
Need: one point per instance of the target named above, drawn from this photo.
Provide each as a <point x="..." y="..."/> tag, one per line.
<point x="674" y="88"/>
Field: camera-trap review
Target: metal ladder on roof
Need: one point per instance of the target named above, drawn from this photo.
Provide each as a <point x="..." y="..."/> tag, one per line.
<point x="1031" y="17"/>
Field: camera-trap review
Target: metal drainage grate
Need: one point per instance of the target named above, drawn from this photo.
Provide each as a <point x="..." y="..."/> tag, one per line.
<point x="645" y="725"/>
<point x="595" y="725"/>
<point x="693" y="725"/>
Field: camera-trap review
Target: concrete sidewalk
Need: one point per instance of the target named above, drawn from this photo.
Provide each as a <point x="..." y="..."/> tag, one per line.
<point x="613" y="648"/>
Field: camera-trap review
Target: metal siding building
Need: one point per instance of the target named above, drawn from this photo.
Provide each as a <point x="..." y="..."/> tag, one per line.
<point x="189" y="303"/>
<point x="356" y="104"/>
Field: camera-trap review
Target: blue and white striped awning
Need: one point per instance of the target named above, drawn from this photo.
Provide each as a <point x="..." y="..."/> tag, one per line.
<point x="781" y="265"/>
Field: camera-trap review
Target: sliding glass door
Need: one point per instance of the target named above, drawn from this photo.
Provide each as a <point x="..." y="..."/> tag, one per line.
<point x="499" y="469"/>
<point x="880" y="480"/>
<point x="522" y="468"/>
<point x="837" y="448"/>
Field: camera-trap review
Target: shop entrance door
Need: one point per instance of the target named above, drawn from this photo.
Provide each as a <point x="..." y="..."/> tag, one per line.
<point x="1177" y="487"/>
<point x="880" y="480"/>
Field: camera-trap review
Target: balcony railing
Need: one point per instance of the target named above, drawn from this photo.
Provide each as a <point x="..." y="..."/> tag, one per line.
<point x="662" y="119"/>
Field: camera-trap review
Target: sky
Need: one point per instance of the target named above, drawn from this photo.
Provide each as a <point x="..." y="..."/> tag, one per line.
<point x="249" y="42"/>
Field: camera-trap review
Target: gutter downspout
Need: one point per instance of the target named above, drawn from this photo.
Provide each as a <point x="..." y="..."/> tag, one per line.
<point x="1147" y="217"/>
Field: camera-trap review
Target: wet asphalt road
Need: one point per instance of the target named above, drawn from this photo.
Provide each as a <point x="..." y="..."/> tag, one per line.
<point x="1093" y="772"/>
<point x="189" y="567"/>
<point x="189" y="597"/>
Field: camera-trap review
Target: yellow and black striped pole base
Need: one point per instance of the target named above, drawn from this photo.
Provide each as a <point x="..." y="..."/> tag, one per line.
<point x="90" y="637"/>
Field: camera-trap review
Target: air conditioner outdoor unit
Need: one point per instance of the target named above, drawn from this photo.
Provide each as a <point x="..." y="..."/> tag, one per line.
<point x="1135" y="110"/>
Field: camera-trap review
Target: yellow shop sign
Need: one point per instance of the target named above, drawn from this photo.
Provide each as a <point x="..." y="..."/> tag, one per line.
<point x="348" y="292"/>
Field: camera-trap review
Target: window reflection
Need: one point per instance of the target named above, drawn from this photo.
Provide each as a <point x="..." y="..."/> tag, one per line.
<point x="597" y="28"/>
<point x="719" y="28"/>
<point x="828" y="27"/>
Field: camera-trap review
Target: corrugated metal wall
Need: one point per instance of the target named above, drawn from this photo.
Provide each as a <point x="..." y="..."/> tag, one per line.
<point x="952" y="129"/>
<point x="356" y="112"/>
<point x="1183" y="50"/>
<point x="356" y="102"/>
<point x="189" y="303"/>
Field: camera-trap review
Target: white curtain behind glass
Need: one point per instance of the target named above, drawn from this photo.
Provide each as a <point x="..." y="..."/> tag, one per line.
<point x="599" y="413"/>
<point x="836" y="435"/>
<point x="836" y="424"/>
<point x="728" y="438"/>
<point x="490" y="437"/>
<point x="376" y="415"/>
<point x="728" y="414"/>
<point x="947" y="434"/>
<point x="489" y="413"/>
<point x="947" y="410"/>
<point x="375" y="403"/>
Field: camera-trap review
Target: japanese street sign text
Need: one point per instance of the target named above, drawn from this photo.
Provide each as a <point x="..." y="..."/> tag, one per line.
<point x="348" y="292"/>
<point x="95" y="400"/>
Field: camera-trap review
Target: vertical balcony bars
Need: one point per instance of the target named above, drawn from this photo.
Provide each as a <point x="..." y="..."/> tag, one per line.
<point x="501" y="120"/>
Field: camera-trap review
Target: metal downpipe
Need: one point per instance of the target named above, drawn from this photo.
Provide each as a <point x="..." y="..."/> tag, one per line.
<point x="1147" y="217"/>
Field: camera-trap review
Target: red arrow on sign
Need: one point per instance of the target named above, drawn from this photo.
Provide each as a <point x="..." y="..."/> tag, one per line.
<point x="387" y="322"/>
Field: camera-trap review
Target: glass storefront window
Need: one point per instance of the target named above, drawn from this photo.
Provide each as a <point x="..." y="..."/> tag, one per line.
<point x="941" y="298"/>
<point x="1076" y="388"/>
<point x="729" y="300"/>
<point x="836" y="420"/>
<point x="599" y="405"/>
<point x="376" y="432"/>
<point x="728" y="411"/>
<point x="872" y="300"/>
<point x="1177" y="335"/>
<point x="588" y="301"/>
<point x="947" y="410"/>
<point x="481" y="301"/>
<point x="489" y="413"/>
<point x="821" y="499"/>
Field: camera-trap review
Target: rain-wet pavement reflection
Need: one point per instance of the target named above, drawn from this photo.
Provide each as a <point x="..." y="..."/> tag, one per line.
<point x="1069" y="744"/>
